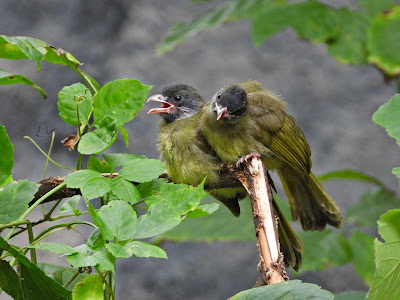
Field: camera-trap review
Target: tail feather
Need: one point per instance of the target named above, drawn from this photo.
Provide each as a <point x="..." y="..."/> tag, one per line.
<point x="291" y="245"/>
<point x="309" y="201"/>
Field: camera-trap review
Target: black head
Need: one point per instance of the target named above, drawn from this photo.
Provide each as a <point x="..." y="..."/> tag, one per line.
<point x="178" y="102"/>
<point x="229" y="103"/>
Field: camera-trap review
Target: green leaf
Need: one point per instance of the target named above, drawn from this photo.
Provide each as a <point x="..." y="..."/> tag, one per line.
<point x="120" y="217"/>
<point x="91" y="82"/>
<point x="292" y="289"/>
<point x="73" y="100"/>
<point x="374" y="7"/>
<point x="125" y="190"/>
<point x="385" y="284"/>
<point x="350" y="46"/>
<point x="120" y="159"/>
<point x="141" y="249"/>
<point x="368" y="210"/>
<point x="96" y="164"/>
<point x="219" y="226"/>
<point x="96" y="187"/>
<point x="54" y="247"/>
<point x="59" y="56"/>
<point x="8" y="179"/>
<point x="26" y="47"/>
<point x="91" y="183"/>
<point x="168" y="211"/>
<point x="105" y="230"/>
<point x="149" y="188"/>
<point x="62" y="274"/>
<point x="34" y="283"/>
<point x="396" y="172"/>
<point x="100" y="139"/>
<point x="352" y="295"/>
<point x="36" y="50"/>
<point x="362" y="246"/>
<point x="90" y="288"/>
<point x="384" y="40"/>
<point x="82" y="259"/>
<point x="95" y="241"/>
<point x="388" y="117"/>
<point x="277" y="16"/>
<point x="79" y="178"/>
<point x="8" y="280"/>
<point x="12" y="78"/>
<point x="70" y="205"/>
<point x="125" y="135"/>
<point x="142" y="170"/>
<point x="203" y="210"/>
<point x="14" y="199"/>
<point x="119" y="251"/>
<point x="105" y="260"/>
<point x="310" y="19"/>
<point x="348" y="174"/>
<point x="324" y="249"/>
<point x="7" y="156"/>
<point x="120" y="99"/>
<point x="213" y="17"/>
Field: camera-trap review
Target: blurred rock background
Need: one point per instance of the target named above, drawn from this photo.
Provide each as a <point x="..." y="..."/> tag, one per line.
<point x="332" y="103"/>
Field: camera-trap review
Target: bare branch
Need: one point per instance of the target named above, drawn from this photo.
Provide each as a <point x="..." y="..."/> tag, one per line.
<point x="256" y="181"/>
<point x="227" y="180"/>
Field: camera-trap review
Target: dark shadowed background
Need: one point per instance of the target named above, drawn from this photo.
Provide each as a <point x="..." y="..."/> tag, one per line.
<point x="332" y="103"/>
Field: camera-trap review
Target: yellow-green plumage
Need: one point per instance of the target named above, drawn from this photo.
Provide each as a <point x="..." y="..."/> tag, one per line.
<point x="189" y="159"/>
<point x="265" y="128"/>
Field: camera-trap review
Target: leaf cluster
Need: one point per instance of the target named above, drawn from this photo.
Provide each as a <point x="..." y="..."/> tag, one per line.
<point x="134" y="204"/>
<point x="367" y="33"/>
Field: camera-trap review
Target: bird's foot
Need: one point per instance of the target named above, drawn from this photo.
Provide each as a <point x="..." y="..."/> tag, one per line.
<point x="222" y="168"/>
<point x="247" y="157"/>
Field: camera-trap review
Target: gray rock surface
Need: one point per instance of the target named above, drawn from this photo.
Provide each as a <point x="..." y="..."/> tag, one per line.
<point x="333" y="104"/>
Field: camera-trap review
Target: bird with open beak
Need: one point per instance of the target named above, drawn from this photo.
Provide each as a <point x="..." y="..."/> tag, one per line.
<point x="189" y="158"/>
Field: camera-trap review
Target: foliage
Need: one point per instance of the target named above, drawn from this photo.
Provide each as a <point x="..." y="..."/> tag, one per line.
<point x="292" y="289"/>
<point x="152" y="208"/>
<point x="99" y="113"/>
<point x="366" y="33"/>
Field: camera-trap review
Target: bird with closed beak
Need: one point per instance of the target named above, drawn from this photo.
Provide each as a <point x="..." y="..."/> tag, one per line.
<point x="189" y="158"/>
<point x="243" y="120"/>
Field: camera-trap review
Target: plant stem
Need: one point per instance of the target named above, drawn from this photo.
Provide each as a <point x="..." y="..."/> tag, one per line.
<point x="72" y="278"/>
<point x="15" y="223"/>
<point x="44" y="153"/>
<point x="47" y="217"/>
<point x="108" y="287"/>
<point x="29" y="210"/>
<point x="48" y="154"/>
<point x="31" y="239"/>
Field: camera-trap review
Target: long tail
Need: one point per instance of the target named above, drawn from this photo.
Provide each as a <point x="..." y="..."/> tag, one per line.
<point x="309" y="201"/>
<point x="291" y="245"/>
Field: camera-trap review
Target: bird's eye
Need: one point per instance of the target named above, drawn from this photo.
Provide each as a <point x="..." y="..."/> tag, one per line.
<point x="219" y="96"/>
<point x="178" y="98"/>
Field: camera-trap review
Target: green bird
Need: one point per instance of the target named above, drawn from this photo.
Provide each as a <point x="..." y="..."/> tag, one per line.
<point x="189" y="158"/>
<point x="245" y="119"/>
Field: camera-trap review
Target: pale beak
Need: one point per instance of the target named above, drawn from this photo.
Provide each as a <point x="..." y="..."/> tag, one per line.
<point x="165" y="108"/>
<point x="222" y="112"/>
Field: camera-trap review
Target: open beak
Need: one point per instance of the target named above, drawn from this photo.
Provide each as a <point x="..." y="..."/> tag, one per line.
<point x="222" y="113"/>
<point x="166" y="107"/>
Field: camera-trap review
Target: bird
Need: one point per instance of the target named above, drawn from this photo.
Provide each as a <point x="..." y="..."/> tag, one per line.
<point x="245" y="120"/>
<point x="189" y="158"/>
